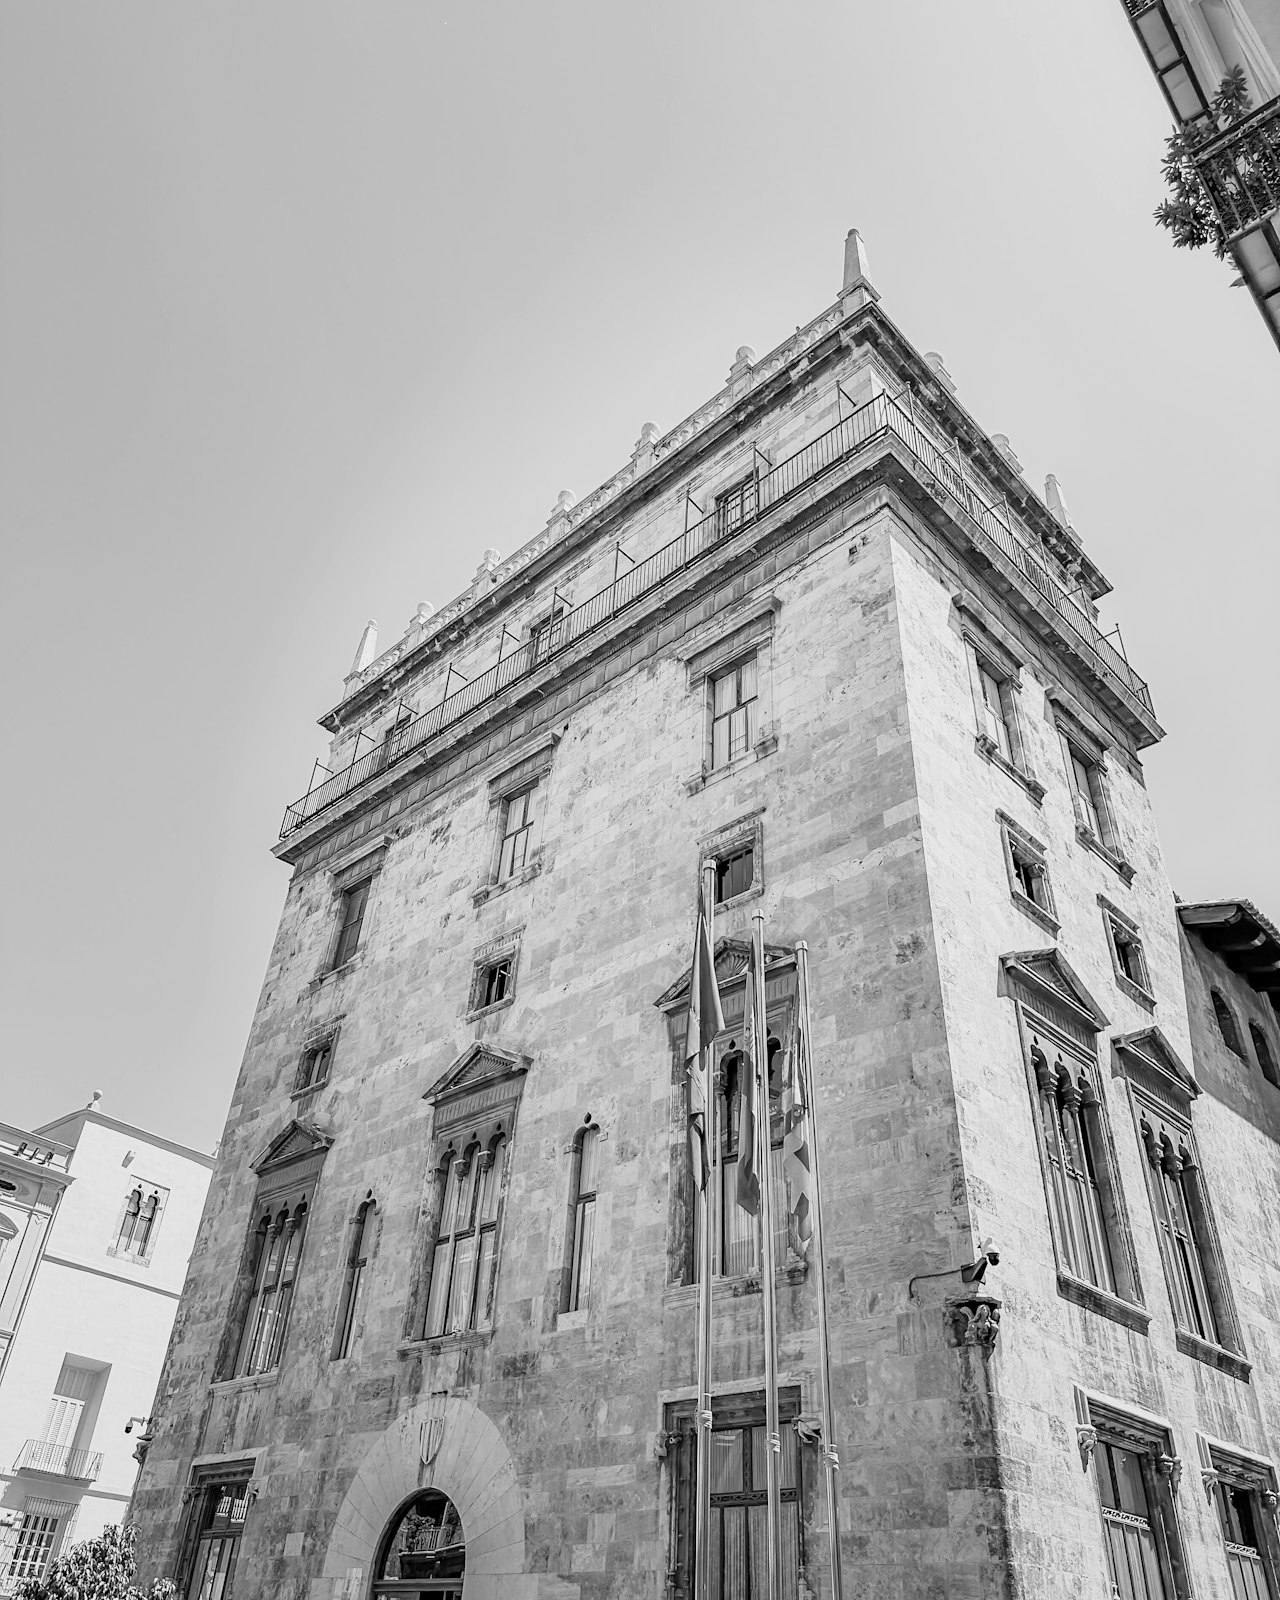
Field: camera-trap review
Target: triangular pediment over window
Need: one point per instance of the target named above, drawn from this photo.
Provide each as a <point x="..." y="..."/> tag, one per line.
<point x="1151" y="1062"/>
<point x="482" y="1087"/>
<point x="298" y="1141"/>
<point x="1047" y="975"/>
<point x="732" y="956"/>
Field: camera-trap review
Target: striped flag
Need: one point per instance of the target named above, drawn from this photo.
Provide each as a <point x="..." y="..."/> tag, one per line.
<point x="797" y="1130"/>
<point x="706" y="1021"/>
<point x="748" y="1176"/>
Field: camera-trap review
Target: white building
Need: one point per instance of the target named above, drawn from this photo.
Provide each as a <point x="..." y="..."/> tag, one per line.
<point x="97" y="1220"/>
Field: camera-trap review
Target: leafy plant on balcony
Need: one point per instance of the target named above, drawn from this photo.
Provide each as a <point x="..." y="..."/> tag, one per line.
<point x="1190" y="216"/>
<point x="96" y="1569"/>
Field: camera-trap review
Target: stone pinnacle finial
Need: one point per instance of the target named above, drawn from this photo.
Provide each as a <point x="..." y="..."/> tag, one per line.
<point x="857" y="272"/>
<point x="93" y="1102"/>
<point x="368" y="647"/>
<point x="1056" y="500"/>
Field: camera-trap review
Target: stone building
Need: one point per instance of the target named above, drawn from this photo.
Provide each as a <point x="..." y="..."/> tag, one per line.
<point x="438" y="1332"/>
<point x="97" y="1220"/>
<point x="1191" y="46"/>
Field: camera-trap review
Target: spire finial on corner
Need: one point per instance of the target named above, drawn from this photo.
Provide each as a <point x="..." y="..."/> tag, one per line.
<point x="367" y="649"/>
<point x="857" y="288"/>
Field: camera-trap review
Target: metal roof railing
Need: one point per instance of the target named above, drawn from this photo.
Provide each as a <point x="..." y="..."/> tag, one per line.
<point x="875" y="420"/>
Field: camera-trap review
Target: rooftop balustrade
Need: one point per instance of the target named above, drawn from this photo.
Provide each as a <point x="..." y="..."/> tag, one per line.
<point x="880" y="418"/>
<point x="59" y="1460"/>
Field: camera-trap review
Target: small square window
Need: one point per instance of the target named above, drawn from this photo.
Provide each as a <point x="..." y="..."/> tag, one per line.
<point x="735" y="505"/>
<point x="1028" y="872"/>
<point x="519" y="813"/>
<point x="496" y="982"/>
<point x="735" y="873"/>
<point x="734" y="712"/>
<point x="314" y="1068"/>
<point x="1127" y="954"/>
<point x="493" y="980"/>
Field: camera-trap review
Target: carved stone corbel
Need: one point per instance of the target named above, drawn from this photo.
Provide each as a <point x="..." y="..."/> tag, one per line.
<point x="975" y="1320"/>
<point x="1210" y="1478"/>
<point x="1086" y="1443"/>
<point x="1171" y="1467"/>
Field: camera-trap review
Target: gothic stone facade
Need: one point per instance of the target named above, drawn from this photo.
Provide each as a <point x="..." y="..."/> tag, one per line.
<point x="940" y="786"/>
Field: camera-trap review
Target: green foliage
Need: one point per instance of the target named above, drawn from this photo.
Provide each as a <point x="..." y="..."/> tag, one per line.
<point x="97" y="1569"/>
<point x="1190" y="216"/>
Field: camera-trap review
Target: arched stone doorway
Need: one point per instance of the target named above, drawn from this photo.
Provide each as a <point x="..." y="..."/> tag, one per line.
<point x="454" y="1450"/>
<point x="423" y="1553"/>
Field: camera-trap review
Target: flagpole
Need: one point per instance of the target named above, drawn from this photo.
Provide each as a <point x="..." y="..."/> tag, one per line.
<point x="830" y="1458"/>
<point x="702" y="1513"/>
<point x="773" y="1438"/>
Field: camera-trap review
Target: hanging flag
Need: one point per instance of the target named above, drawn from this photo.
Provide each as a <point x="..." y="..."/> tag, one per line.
<point x="749" y="1092"/>
<point x="706" y="1022"/>
<point x="797" y="1162"/>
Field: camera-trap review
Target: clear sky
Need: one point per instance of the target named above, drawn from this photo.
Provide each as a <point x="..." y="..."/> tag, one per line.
<point x="305" y="304"/>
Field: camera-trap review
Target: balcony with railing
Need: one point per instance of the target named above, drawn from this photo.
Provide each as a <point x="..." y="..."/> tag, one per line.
<point x="59" y="1460"/>
<point x="882" y="419"/>
<point x="1241" y="169"/>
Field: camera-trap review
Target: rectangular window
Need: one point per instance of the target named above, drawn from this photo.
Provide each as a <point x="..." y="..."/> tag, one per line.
<point x="314" y="1070"/>
<point x="354" y="901"/>
<point x="39" y="1537"/>
<point x="1028" y="871"/>
<point x="1241" y="1515"/>
<point x="495" y="982"/>
<point x="735" y="873"/>
<point x="735" y="505"/>
<point x="738" y="1495"/>
<point x="464" y="1264"/>
<point x="734" y="712"/>
<point x="220" y="1505"/>
<point x="518" y="817"/>
<point x="1127" y="955"/>
<point x="1086" y="789"/>
<point x="997" y="712"/>
<point x="1133" y="1549"/>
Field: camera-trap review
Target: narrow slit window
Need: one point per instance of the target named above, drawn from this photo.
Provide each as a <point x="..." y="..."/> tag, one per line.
<point x="353" y="1279"/>
<point x="1262" y="1050"/>
<point x="1226" y="1020"/>
<point x="584" y="1220"/>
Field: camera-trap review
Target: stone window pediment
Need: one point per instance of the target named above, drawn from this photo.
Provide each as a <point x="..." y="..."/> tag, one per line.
<point x="1153" y="1066"/>
<point x="484" y="1084"/>
<point x="294" y="1157"/>
<point x="1044" y="980"/>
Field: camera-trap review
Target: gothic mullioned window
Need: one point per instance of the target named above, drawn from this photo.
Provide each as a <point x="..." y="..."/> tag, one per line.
<point x="1070" y="1114"/>
<point x="136" y="1232"/>
<point x="464" y="1264"/>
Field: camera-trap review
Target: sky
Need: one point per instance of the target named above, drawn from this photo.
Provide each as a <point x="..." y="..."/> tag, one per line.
<point x="303" y="305"/>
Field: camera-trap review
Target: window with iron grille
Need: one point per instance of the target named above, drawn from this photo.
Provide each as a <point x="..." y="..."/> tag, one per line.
<point x="739" y="1502"/>
<point x="583" y="1224"/>
<point x="735" y="505"/>
<point x="40" y="1534"/>
<point x="734" y="712"/>
<point x="1247" y="1555"/>
<point x="464" y="1263"/>
<point x="360" y="1241"/>
<point x="1137" y="1562"/>
<point x="353" y="902"/>
<point x="519" y="813"/>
